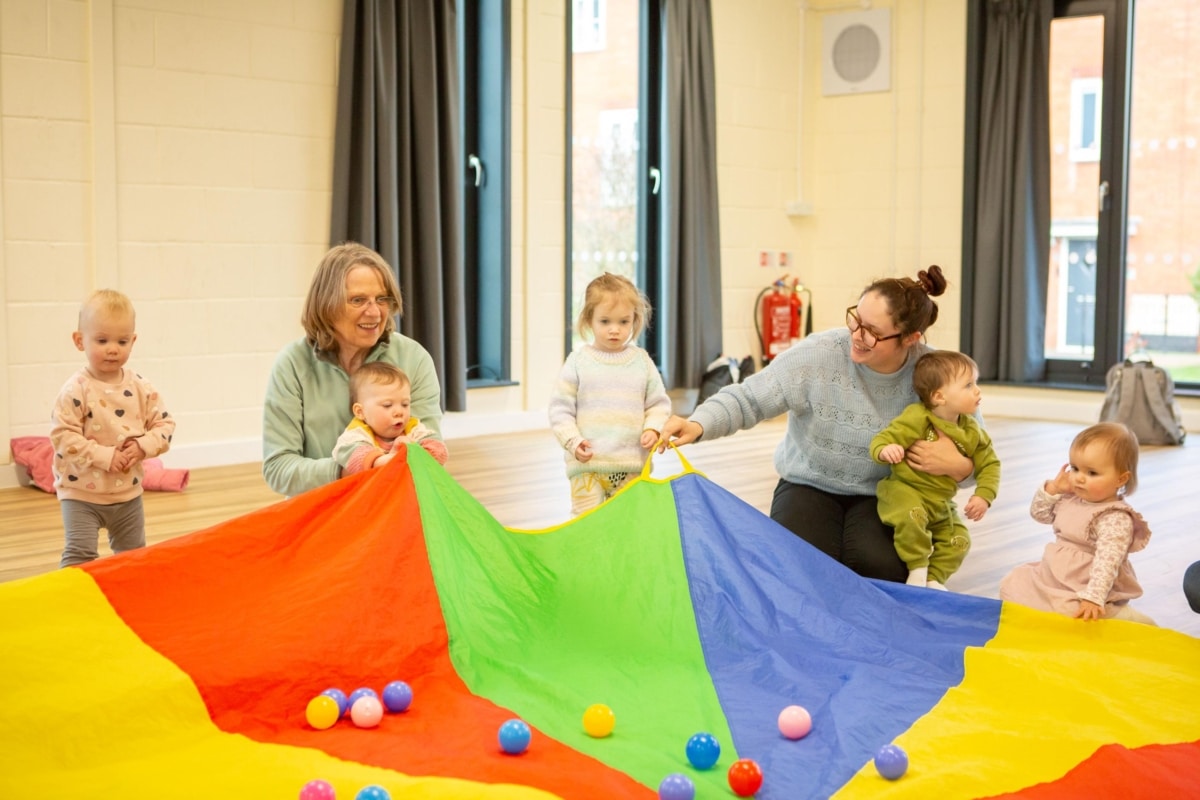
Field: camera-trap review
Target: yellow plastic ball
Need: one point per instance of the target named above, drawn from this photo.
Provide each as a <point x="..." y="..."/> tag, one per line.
<point x="322" y="712"/>
<point x="598" y="720"/>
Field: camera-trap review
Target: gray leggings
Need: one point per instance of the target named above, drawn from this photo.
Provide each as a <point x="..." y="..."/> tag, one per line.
<point x="125" y="523"/>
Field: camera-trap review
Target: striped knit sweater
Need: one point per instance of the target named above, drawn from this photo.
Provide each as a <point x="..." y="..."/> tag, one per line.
<point x="609" y="399"/>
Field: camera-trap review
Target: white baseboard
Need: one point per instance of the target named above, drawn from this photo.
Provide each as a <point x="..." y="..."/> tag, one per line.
<point x="1082" y="412"/>
<point x="213" y="454"/>
<point x="1081" y="408"/>
<point x="465" y="426"/>
<point x="12" y="476"/>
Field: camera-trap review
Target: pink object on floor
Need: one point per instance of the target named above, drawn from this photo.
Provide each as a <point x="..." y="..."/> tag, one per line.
<point x="161" y="479"/>
<point x="36" y="455"/>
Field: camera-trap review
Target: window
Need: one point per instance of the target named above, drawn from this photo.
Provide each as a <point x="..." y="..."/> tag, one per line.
<point x="1085" y="119"/>
<point x="1124" y="250"/>
<point x="1083" y="245"/>
<point x="483" y="49"/>
<point x="617" y="145"/>
<point x="1160" y="323"/>
<point x="587" y="28"/>
<point x="1071" y="308"/>
<point x="1073" y="317"/>
<point x="1161" y="286"/>
<point x="613" y="151"/>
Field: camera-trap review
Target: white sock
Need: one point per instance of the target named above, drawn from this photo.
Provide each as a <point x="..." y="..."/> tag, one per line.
<point x="937" y="585"/>
<point x="917" y="577"/>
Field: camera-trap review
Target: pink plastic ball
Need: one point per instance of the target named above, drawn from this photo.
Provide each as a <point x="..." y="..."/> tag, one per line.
<point x="795" y="722"/>
<point x="366" y="712"/>
<point x="318" y="790"/>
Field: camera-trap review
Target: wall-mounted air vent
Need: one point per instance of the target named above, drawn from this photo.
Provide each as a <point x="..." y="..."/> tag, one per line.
<point x="857" y="52"/>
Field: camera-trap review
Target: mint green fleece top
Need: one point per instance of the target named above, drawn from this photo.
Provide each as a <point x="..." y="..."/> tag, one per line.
<point x="307" y="407"/>
<point x="833" y="408"/>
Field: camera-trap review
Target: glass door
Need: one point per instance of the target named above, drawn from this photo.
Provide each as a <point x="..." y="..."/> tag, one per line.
<point x="605" y="123"/>
<point x="1124" y="276"/>
<point x="1081" y="193"/>
<point x="1162" y="280"/>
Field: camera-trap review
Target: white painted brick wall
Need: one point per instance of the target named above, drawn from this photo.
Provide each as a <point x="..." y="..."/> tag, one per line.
<point x="223" y="119"/>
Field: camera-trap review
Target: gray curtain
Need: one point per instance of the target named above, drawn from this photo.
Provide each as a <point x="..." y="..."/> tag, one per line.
<point x="1012" y="218"/>
<point x="690" y="321"/>
<point x="396" y="173"/>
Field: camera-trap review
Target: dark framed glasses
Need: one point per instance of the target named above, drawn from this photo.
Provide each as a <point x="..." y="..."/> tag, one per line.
<point x="869" y="337"/>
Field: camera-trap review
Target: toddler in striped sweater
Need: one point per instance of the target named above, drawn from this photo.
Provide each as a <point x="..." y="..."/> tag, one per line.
<point x="610" y="401"/>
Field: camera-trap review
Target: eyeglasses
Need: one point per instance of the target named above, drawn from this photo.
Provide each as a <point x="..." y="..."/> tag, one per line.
<point x="869" y="337"/>
<point x="359" y="303"/>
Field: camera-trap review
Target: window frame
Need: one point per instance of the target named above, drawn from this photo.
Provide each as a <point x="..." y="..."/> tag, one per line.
<point x="1081" y="89"/>
<point x="649" y="163"/>
<point x="1113" y="135"/>
<point x="486" y="124"/>
<point x="1116" y="83"/>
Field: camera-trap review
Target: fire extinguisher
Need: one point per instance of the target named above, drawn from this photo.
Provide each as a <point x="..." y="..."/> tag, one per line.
<point x="781" y="317"/>
<point x="776" y="318"/>
<point x="801" y="311"/>
<point x="797" y="308"/>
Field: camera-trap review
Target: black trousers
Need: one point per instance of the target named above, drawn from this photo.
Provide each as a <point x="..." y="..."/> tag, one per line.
<point x="1191" y="586"/>
<point x="846" y="528"/>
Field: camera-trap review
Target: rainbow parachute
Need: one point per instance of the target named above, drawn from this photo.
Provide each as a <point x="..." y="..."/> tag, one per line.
<point x="184" y="669"/>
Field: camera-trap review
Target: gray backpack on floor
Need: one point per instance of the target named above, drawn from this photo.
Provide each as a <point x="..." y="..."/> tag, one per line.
<point x="1142" y="396"/>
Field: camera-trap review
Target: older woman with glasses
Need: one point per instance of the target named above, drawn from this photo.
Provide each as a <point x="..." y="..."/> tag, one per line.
<point x="839" y="388"/>
<point x="349" y="320"/>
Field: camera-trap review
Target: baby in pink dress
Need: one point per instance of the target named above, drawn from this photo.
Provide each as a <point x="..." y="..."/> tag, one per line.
<point x="1085" y="572"/>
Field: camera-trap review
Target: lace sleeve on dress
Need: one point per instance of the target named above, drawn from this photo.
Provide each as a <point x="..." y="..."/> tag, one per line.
<point x="1042" y="508"/>
<point x="1114" y="533"/>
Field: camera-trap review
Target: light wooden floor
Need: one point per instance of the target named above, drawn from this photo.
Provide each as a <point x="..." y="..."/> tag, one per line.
<point x="519" y="478"/>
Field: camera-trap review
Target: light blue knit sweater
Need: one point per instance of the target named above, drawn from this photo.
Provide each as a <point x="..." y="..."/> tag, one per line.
<point x="834" y="407"/>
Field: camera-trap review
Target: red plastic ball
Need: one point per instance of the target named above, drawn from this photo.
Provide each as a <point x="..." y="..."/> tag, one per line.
<point x="745" y="777"/>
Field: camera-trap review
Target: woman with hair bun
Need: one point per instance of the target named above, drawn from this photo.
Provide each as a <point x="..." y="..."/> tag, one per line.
<point x="839" y="388"/>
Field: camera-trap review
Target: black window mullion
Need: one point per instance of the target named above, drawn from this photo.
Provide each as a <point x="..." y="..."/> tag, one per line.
<point x="486" y="122"/>
<point x="650" y="156"/>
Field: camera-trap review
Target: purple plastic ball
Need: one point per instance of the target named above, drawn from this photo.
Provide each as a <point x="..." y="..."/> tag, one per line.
<point x="362" y="691"/>
<point x="340" y="697"/>
<point x="676" y="787"/>
<point x="891" y="761"/>
<point x="397" y="696"/>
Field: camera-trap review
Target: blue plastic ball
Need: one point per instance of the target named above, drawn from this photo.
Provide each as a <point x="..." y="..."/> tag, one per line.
<point x="891" y="761"/>
<point x="514" y="737"/>
<point x="397" y="696"/>
<point x="676" y="786"/>
<point x="372" y="793"/>
<point x="339" y="696"/>
<point x="362" y="691"/>
<point x="703" y="750"/>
